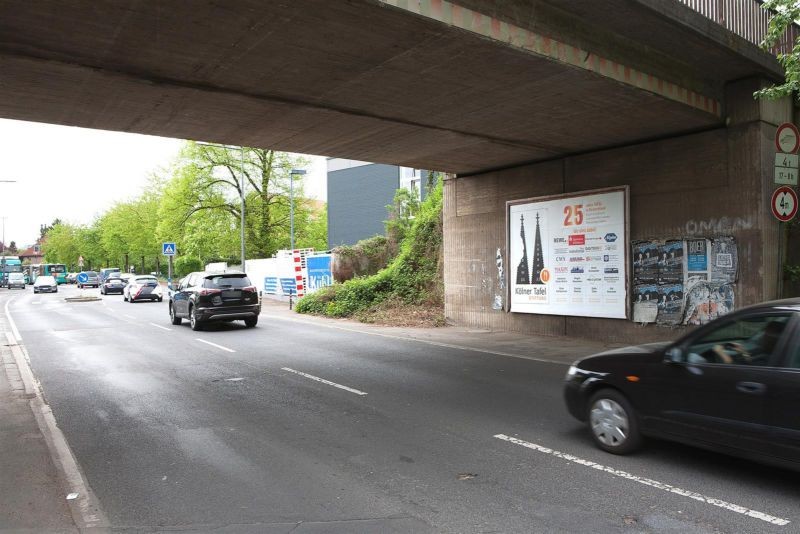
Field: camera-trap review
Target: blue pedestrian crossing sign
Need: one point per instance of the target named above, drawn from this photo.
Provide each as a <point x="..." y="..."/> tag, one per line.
<point x="168" y="249"/>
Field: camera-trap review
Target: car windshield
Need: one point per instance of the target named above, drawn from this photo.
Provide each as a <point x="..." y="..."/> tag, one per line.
<point x="226" y="281"/>
<point x="114" y="279"/>
<point x="145" y="279"/>
<point x="45" y="280"/>
<point x="91" y="273"/>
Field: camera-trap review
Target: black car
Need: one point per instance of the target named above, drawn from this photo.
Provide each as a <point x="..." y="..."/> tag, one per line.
<point x="203" y="297"/>
<point x="732" y="386"/>
<point x="112" y="284"/>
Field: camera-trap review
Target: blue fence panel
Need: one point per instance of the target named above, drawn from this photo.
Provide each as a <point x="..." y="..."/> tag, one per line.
<point x="271" y="285"/>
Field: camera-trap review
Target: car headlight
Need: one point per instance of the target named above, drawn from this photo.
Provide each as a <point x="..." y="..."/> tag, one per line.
<point x="572" y="371"/>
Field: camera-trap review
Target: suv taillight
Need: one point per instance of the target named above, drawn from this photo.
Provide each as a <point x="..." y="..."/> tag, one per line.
<point x="250" y="289"/>
<point x="205" y="292"/>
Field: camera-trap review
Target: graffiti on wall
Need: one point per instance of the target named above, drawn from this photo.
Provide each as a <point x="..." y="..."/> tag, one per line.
<point x="683" y="281"/>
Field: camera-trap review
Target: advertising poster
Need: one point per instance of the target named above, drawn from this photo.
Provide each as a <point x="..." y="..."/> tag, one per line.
<point x="645" y="262"/>
<point x="724" y="260"/>
<point x="319" y="271"/>
<point x="670" y="262"/>
<point x="670" y="304"/>
<point x="568" y="254"/>
<point x="696" y="255"/>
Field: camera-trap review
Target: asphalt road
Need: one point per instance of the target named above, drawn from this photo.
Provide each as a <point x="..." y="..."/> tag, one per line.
<point x="290" y="426"/>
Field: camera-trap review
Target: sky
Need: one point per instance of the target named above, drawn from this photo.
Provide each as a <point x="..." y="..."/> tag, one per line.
<point x="75" y="174"/>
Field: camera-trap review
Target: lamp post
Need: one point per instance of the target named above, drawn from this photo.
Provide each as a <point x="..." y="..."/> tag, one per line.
<point x="3" y="241"/>
<point x="241" y="190"/>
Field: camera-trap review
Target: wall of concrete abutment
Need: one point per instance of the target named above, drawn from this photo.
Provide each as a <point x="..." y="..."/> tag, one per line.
<point x="708" y="184"/>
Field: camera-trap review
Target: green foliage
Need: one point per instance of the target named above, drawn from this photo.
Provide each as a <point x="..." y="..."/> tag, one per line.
<point x="366" y="257"/>
<point x="413" y="277"/>
<point x="187" y="264"/>
<point x="197" y="204"/>
<point x="783" y="13"/>
<point x="402" y="211"/>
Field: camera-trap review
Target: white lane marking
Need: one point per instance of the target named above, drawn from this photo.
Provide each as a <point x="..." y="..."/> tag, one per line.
<point x="161" y="327"/>
<point x="214" y="345"/>
<point x="11" y="321"/>
<point x="426" y="341"/>
<point x="649" y="482"/>
<point x="318" y="379"/>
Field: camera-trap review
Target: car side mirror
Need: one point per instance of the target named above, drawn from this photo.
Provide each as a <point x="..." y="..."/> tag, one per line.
<point x="673" y="355"/>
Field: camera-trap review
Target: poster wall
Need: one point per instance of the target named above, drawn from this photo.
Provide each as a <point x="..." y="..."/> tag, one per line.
<point x="690" y="282"/>
<point x="568" y="254"/>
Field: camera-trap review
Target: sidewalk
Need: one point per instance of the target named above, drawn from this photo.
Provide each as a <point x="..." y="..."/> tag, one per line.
<point x="31" y="495"/>
<point x="555" y="349"/>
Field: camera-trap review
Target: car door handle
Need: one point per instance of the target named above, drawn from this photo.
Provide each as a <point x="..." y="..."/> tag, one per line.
<point x="755" y="388"/>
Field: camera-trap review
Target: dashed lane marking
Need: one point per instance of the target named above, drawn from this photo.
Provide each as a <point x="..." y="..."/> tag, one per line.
<point x="649" y="482"/>
<point x="322" y="380"/>
<point x="161" y="327"/>
<point x="214" y="345"/>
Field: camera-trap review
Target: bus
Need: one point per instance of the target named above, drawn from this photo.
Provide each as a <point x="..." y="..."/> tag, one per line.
<point x="9" y="264"/>
<point x="56" y="270"/>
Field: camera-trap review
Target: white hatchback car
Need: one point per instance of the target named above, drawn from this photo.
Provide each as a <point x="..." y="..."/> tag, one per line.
<point x="143" y="287"/>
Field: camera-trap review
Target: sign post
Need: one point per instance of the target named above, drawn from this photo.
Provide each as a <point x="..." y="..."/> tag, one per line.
<point x="169" y="250"/>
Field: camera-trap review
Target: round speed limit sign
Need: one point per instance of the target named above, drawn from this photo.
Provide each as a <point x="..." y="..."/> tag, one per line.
<point x="784" y="204"/>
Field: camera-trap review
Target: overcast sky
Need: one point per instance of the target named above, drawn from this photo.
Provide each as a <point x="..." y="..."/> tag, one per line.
<point x="75" y="174"/>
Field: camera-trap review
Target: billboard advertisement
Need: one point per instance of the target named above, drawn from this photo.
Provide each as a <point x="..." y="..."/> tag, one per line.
<point x="568" y="254"/>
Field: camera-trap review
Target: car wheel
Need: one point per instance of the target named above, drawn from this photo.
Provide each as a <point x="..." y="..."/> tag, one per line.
<point x="130" y="299"/>
<point x="250" y="322"/>
<point x="174" y="318"/>
<point x="124" y="297"/>
<point x="193" y="321"/>
<point x="160" y="299"/>
<point x="613" y="423"/>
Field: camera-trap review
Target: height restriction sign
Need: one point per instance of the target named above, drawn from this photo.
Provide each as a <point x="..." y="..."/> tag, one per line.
<point x="784" y="204"/>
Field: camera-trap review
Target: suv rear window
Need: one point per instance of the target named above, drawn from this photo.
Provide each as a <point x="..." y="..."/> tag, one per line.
<point x="226" y="281"/>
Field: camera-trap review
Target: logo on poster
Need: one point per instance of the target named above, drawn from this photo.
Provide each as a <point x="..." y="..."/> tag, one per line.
<point x="577" y="239"/>
<point x="544" y="275"/>
<point x="611" y="237"/>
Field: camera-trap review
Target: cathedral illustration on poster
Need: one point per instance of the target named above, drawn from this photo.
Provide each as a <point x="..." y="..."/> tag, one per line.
<point x="523" y="273"/>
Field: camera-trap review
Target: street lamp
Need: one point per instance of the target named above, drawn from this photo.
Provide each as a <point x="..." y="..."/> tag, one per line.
<point x="292" y="174"/>
<point x="241" y="189"/>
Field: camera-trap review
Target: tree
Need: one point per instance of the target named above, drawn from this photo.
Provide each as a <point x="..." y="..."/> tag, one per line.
<point x="783" y="13"/>
<point x="12" y="248"/>
<point x="61" y="245"/>
<point x="210" y="178"/>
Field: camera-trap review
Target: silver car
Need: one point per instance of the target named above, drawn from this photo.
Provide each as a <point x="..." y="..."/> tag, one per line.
<point x="16" y="280"/>
<point x="45" y="284"/>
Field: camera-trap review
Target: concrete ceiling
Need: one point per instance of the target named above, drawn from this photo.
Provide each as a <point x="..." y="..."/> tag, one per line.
<point x="361" y="79"/>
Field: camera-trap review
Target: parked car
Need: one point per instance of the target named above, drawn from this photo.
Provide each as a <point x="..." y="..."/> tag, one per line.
<point x="112" y="284"/>
<point x="731" y="386"/>
<point x="45" y="284"/>
<point x="72" y="278"/>
<point x="16" y="280"/>
<point x="143" y="287"/>
<point x="202" y="297"/>
<point x="93" y="280"/>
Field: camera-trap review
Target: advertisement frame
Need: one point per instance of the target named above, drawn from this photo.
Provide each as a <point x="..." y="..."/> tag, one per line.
<point x="624" y="189"/>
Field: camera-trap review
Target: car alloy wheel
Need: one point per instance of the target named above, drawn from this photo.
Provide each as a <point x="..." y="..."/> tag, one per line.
<point x="175" y="320"/>
<point x="613" y="422"/>
<point x="193" y="321"/>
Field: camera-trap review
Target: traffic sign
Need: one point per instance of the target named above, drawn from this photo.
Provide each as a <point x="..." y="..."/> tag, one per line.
<point x="168" y="249"/>
<point x="83" y="278"/>
<point x="784" y="204"/>
<point x="80" y="262"/>
<point x="787" y="138"/>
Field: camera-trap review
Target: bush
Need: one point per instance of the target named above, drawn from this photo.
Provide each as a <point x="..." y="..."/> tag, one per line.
<point x="413" y="277"/>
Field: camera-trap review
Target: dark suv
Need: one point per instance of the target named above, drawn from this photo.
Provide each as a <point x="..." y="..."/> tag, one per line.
<point x="203" y="297"/>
